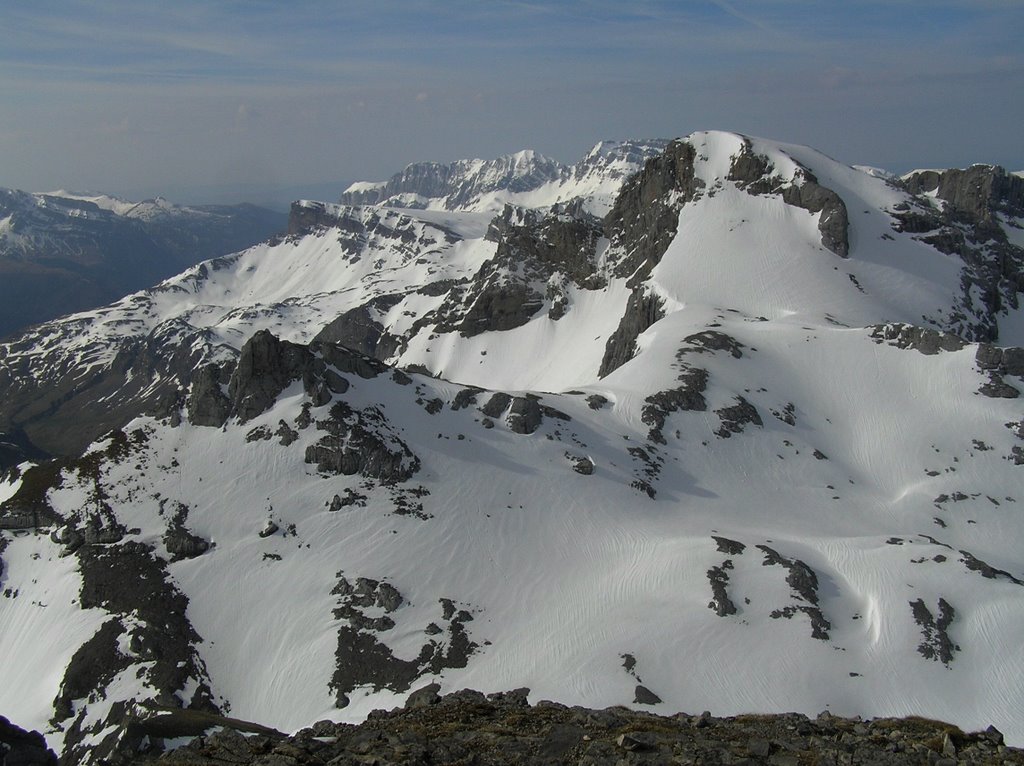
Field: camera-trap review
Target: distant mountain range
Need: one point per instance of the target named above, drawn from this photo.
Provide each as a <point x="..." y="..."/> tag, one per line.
<point x="62" y="252"/>
<point x="712" y="423"/>
<point x="526" y="179"/>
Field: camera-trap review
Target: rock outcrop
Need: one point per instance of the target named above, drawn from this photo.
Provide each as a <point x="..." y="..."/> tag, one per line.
<point x="966" y="223"/>
<point x="503" y="728"/>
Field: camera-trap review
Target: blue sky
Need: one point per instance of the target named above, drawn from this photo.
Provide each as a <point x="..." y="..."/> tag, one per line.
<point x="196" y="99"/>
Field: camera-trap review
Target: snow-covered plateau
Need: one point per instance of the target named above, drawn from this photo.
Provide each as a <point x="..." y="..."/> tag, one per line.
<point x="732" y="423"/>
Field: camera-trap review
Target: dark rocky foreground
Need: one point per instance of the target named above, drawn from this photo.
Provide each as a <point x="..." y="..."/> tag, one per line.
<point x="468" y="728"/>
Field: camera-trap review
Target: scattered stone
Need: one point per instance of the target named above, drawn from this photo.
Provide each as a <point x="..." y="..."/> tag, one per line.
<point x="467" y="727"/>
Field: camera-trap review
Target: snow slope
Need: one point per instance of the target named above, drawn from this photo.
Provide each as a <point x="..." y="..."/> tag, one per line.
<point x="797" y="491"/>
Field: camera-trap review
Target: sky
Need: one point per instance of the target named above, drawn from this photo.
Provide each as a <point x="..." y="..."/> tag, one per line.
<point x="222" y="100"/>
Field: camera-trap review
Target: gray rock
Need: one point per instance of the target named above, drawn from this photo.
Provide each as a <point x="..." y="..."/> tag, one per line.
<point x="182" y="544"/>
<point x="729" y="547"/>
<point x="752" y="172"/>
<point x="19" y="747"/>
<point x="936" y="643"/>
<point x="361" y="442"/>
<point x="525" y="415"/>
<point x="207" y="403"/>
<point x="924" y="340"/>
<point x="266" y="366"/>
<point x="720" y="602"/>
<point x="496" y="405"/>
<point x="358" y="330"/>
<point x="643" y="220"/>
<point x="634" y="742"/>
<point x="644" y="696"/>
<point x="425" y="696"/>
<point x="642" y="311"/>
<point x="759" y="747"/>
<point x="583" y="465"/>
<point x="734" y="418"/>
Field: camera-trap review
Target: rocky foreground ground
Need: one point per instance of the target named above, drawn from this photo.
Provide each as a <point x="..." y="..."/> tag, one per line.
<point x="470" y="728"/>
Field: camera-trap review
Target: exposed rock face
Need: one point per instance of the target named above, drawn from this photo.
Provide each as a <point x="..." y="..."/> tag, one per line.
<point x="361" y="442"/>
<point x="734" y="418"/>
<point x="458" y="184"/>
<point x="977" y="192"/>
<point x="562" y="239"/>
<point x="646" y="213"/>
<point x="687" y="397"/>
<point x="16" y="448"/>
<point x="497" y="303"/>
<point x="804" y="584"/>
<point x="23" y="748"/>
<point x="920" y="339"/>
<point x="148" y="612"/>
<point x="645" y="217"/>
<point x="992" y="360"/>
<point x="30" y="507"/>
<point x="359" y="330"/>
<point x="967" y="226"/>
<point x="524" y="416"/>
<point x="208" y="404"/>
<point x="362" y="658"/>
<point x="539" y="253"/>
<point x="642" y="311"/>
<point x="64" y="405"/>
<point x="178" y="540"/>
<point x="935" y="641"/>
<point x="752" y="172"/>
<point x="502" y="728"/>
<point x="644" y="696"/>
<point x="266" y="366"/>
<point x="720" y="602"/>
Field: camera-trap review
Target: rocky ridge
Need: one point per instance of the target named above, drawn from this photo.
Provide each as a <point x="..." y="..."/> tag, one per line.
<point x="779" y="471"/>
<point x="63" y="253"/>
<point x="523" y="178"/>
<point x="503" y="728"/>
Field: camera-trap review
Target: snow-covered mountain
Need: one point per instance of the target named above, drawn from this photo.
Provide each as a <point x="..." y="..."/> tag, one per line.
<point x="752" y="440"/>
<point x="525" y="178"/>
<point x="62" y="252"/>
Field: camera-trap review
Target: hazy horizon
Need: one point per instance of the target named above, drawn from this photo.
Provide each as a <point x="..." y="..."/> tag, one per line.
<point x="203" y="102"/>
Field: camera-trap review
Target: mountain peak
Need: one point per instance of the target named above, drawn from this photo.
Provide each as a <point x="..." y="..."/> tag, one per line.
<point x="525" y="178"/>
<point x="510" y="423"/>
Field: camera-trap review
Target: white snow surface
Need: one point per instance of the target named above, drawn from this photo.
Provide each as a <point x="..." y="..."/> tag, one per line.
<point x="146" y="209"/>
<point x="564" y="573"/>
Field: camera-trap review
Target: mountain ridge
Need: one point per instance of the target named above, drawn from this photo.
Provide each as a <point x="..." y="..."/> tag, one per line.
<point x="62" y="252"/>
<point x="750" y="429"/>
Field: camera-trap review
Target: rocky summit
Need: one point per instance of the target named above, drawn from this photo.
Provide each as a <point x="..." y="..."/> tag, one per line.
<point x="502" y="728"/>
<point x="715" y="423"/>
